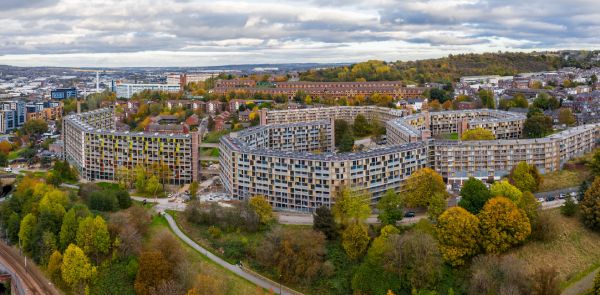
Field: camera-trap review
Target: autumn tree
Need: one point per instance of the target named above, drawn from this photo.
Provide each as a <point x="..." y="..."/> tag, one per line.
<point x="503" y="225"/>
<point x="355" y="240"/>
<point x="324" y="222"/>
<point x="530" y="205"/>
<point x="565" y="116"/>
<point x="589" y="206"/>
<point x="351" y="205"/>
<point x="297" y="255"/>
<point x="76" y="268"/>
<point x="54" y="264"/>
<point x="423" y="187"/>
<point x="152" y="270"/>
<point x="93" y="237"/>
<point x="415" y="258"/>
<point x="70" y="224"/>
<point x="26" y="231"/>
<point x="458" y="234"/>
<point x="478" y="134"/>
<point x="371" y="276"/>
<point x="525" y="177"/>
<point x="262" y="207"/>
<point x="390" y="208"/>
<point x="194" y="189"/>
<point x="505" y="189"/>
<point x="474" y="194"/>
<point x="140" y="178"/>
<point x="487" y="98"/>
<point x="153" y="185"/>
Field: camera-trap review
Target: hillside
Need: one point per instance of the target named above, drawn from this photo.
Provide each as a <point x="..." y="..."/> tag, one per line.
<point x="443" y="70"/>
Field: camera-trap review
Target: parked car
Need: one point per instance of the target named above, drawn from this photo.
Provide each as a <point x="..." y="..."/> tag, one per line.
<point x="540" y="199"/>
<point x="550" y="198"/>
<point x="410" y="214"/>
<point x="562" y="196"/>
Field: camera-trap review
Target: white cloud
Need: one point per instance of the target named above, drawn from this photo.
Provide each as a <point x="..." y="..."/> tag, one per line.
<point x="203" y="32"/>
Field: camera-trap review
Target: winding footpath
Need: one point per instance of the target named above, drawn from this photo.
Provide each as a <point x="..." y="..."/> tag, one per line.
<point x="264" y="283"/>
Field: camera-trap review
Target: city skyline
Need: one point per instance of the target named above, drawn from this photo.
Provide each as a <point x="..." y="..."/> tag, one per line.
<point x="198" y="33"/>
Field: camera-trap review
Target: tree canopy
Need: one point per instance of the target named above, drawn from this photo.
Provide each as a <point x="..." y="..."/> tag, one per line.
<point x="503" y="225"/>
<point x="474" y="194"/>
<point x="478" y="134"/>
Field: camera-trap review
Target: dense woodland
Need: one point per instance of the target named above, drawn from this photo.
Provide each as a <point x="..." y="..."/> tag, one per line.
<point x="443" y="70"/>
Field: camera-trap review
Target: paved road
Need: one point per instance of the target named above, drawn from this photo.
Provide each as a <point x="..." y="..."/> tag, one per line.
<point x="233" y="268"/>
<point x="581" y="286"/>
<point x="30" y="276"/>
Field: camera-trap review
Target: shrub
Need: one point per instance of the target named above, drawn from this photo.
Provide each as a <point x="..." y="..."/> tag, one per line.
<point x="545" y="228"/>
<point x="214" y="232"/>
<point x="491" y="274"/>
<point x="103" y="201"/>
<point x="569" y="208"/>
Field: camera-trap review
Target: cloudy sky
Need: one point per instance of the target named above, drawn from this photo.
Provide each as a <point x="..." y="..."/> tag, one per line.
<point x="203" y="33"/>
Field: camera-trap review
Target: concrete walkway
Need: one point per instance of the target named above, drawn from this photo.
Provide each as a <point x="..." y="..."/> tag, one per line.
<point x="582" y="286"/>
<point x="233" y="268"/>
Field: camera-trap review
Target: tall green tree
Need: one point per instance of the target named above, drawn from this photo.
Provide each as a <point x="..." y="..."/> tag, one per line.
<point x="93" y="237"/>
<point x="525" y="177"/>
<point x="503" y="188"/>
<point x="415" y="258"/>
<point x="536" y="126"/>
<point x="487" y="98"/>
<point x="474" y="194"/>
<point x="351" y="206"/>
<point x="390" y="208"/>
<point x="589" y="206"/>
<point x="361" y="126"/>
<point x="355" y="240"/>
<point x="324" y="222"/>
<point x="76" y="268"/>
<point x="26" y="231"/>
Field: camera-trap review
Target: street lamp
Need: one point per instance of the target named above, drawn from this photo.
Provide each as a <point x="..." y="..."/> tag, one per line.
<point x="280" y="276"/>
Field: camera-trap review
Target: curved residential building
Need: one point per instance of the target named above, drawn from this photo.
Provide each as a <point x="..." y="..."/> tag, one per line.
<point x="290" y="159"/>
<point x="98" y="151"/>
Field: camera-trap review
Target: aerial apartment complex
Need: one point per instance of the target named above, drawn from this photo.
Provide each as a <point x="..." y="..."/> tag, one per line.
<point x="273" y="159"/>
<point x="100" y="153"/>
<point x="321" y="89"/>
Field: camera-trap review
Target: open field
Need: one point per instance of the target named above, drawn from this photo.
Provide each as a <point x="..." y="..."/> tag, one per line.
<point x="575" y="251"/>
<point x="563" y="179"/>
<point x="200" y="264"/>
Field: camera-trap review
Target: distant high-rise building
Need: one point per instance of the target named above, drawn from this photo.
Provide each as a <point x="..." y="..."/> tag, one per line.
<point x="64" y="93"/>
<point x="125" y="90"/>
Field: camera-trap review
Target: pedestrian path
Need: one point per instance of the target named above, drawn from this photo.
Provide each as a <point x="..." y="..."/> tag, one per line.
<point x="262" y="282"/>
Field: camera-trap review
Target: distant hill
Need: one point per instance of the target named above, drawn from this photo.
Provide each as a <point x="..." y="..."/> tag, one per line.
<point x="442" y="70"/>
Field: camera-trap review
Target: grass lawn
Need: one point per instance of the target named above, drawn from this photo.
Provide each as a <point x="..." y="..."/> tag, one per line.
<point x="15" y="154"/>
<point x="159" y="194"/>
<point x="563" y="179"/>
<point x="215" y="136"/>
<point x="236" y="246"/>
<point x="234" y="285"/>
<point x="449" y="136"/>
<point x="575" y="252"/>
<point x="209" y="152"/>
